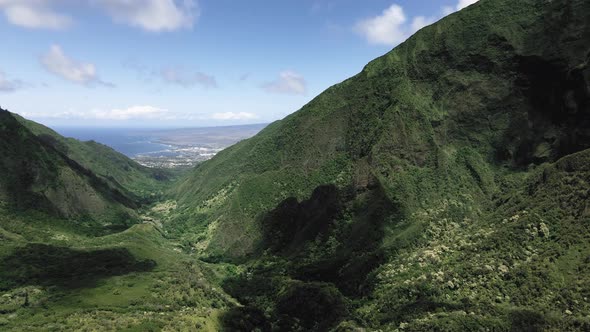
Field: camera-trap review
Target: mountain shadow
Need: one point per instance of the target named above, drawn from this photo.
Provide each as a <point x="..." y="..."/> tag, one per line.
<point x="313" y="255"/>
<point x="46" y="265"/>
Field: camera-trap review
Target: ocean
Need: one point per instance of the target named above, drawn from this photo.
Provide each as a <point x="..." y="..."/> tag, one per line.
<point x="130" y="142"/>
<point x="165" y="147"/>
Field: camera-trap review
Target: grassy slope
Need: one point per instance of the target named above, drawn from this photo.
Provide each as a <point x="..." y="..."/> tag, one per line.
<point x="53" y="277"/>
<point x="435" y="151"/>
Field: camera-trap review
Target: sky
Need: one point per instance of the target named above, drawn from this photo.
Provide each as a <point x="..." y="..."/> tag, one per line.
<point x="191" y="63"/>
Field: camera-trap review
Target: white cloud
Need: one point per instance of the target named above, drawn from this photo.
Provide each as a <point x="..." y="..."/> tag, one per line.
<point x="33" y="14"/>
<point x="152" y="15"/>
<point x="392" y="27"/>
<point x="122" y="114"/>
<point x="447" y="10"/>
<point x="234" y="116"/>
<point x="289" y="82"/>
<point x="387" y="28"/>
<point x="186" y="78"/>
<point x="464" y="3"/>
<point x="131" y="113"/>
<point x="149" y="15"/>
<point x="139" y="113"/>
<point x="8" y="85"/>
<point x="56" y="62"/>
<point x="421" y="21"/>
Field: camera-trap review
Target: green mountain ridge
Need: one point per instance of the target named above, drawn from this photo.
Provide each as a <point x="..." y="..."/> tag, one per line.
<point x="485" y="92"/>
<point x="119" y="171"/>
<point x="446" y="187"/>
<point x="386" y="195"/>
<point x="36" y="175"/>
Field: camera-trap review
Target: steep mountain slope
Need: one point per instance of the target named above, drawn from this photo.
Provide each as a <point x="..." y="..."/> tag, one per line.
<point x="39" y="174"/>
<point x="496" y="88"/>
<point x="446" y="178"/>
<point x="113" y="167"/>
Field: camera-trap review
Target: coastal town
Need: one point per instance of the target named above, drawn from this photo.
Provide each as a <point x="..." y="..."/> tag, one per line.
<point x="177" y="157"/>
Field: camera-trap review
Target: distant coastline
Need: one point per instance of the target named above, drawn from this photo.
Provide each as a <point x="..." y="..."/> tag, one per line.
<point x="165" y="148"/>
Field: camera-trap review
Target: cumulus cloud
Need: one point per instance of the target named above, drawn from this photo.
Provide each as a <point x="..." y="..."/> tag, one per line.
<point x="34" y="14"/>
<point x="234" y="116"/>
<point x="289" y="82"/>
<point x="392" y="26"/>
<point x="446" y="10"/>
<point x="186" y="78"/>
<point x="149" y="15"/>
<point x="58" y="63"/>
<point x="139" y="113"/>
<point x="387" y="28"/>
<point x="118" y="114"/>
<point x="152" y="15"/>
<point x="131" y="113"/>
<point x="9" y="85"/>
<point x="464" y="3"/>
<point x="421" y="21"/>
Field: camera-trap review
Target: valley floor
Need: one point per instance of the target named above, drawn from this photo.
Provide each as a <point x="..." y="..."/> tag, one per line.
<point x="54" y="277"/>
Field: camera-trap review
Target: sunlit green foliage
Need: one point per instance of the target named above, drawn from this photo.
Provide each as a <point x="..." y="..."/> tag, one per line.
<point x="457" y="199"/>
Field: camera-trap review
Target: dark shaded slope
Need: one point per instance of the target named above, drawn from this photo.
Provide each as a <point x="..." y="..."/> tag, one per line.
<point x="38" y="264"/>
<point x="36" y="175"/>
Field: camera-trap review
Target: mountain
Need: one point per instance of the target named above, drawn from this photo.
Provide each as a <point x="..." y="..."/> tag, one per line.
<point x="444" y="187"/>
<point x="113" y="167"/>
<point x="81" y="248"/>
<point x="496" y="88"/>
<point x="43" y="171"/>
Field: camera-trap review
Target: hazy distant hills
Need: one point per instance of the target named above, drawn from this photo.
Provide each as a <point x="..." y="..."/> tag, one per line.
<point x="215" y="137"/>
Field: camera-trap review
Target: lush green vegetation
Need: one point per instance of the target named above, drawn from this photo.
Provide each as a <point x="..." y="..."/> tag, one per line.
<point x="120" y="172"/>
<point x="78" y="250"/>
<point x="58" y="276"/>
<point x="419" y="194"/>
<point x="38" y="176"/>
<point x="446" y="187"/>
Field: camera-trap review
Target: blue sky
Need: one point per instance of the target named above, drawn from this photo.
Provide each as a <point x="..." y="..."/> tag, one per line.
<point x="188" y="63"/>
